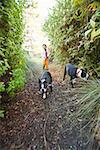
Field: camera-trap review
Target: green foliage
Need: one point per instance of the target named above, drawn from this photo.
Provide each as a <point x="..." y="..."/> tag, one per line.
<point x="89" y="100"/>
<point x="73" y="28"/>
<point x="17" y="80"/>
<point x="1" y="113"/>
<point x="12" y="61"/>
<point x="89" y="108"/>
<point x="2" y="87"/>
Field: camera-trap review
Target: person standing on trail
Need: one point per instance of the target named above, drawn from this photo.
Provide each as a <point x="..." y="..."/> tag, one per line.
<point x="45" y="57"/>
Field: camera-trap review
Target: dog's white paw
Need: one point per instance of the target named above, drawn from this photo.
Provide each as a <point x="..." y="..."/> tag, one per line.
<point x="39" y="92"/>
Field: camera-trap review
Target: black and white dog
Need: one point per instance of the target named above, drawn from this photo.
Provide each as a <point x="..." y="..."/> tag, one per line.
<point x="74" y="73"/>
<point x="45" y="83"/>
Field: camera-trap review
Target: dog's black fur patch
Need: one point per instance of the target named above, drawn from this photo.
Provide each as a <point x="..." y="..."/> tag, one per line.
<point x="83" y="74"/>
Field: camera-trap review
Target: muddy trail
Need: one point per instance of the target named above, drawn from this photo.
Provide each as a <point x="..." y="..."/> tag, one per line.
<point x="32" y="123"/>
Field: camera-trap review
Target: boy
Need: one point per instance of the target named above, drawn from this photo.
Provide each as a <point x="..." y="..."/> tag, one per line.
<point x="45" y="57"/>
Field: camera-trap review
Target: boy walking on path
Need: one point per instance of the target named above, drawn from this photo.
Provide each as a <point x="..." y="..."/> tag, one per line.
<point x="45" y="57"/>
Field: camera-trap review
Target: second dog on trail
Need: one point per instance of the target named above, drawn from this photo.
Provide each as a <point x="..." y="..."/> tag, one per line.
<point x="74" y="72"/>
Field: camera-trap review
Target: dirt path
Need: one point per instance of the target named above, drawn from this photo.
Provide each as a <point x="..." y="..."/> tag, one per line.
<point x="35" y="124"/>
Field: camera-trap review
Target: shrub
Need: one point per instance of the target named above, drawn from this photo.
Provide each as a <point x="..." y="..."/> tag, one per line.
<point x="12" y="62"/>
<point x="73" y="28"/>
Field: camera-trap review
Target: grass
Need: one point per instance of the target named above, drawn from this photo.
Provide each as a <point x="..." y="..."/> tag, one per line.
<point x="89" y="108"/>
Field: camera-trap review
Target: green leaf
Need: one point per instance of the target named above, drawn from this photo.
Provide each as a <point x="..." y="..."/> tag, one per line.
<point x="87" y="32"/>
<point x="2" y="86"/>
<point x="95" y="34"/>
<point x="2" y="113"/>
<point x="92" y="23"/>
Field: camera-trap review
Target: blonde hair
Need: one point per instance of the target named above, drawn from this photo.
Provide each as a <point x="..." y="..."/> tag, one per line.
<point x="44" y="46"/>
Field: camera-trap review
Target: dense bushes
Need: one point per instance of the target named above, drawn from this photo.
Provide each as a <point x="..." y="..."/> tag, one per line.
<point x="73" y="28"/>
<point x="12" y="72"/>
